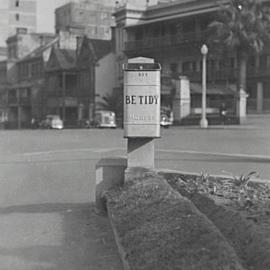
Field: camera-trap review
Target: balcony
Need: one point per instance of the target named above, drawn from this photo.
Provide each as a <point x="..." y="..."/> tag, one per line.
<point x="165" y="41"/>
<point x="22" y="101"/>
<point x="216" y="75"/>
<point x="12" y="100"/>
<point x="258" y="72"/>
<point x="60" y="101"/>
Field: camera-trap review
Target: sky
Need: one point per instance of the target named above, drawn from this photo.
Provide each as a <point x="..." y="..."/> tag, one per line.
<point x="45" y="9"/>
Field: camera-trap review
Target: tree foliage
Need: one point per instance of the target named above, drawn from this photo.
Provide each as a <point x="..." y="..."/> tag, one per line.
<point x="242" y="25"/>
<point x="112" y="102"/>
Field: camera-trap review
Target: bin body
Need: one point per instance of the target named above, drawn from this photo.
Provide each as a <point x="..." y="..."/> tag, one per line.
<point x="142" y="98"/>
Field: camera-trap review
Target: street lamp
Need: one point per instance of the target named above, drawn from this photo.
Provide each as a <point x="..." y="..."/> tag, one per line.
<point x="204" y="122"/>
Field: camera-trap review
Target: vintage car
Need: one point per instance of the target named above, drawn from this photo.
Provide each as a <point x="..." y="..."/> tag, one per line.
<point x="166" y="117"/>
<point x="52" y="121"/>
<point x="105" y="119"/>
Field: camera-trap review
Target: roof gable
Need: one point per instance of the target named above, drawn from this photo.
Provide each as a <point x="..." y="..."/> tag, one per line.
<point x="61" y="59"/>
<point x="92" y="50"/>
<point x="41" y="50"/>
<point x="53" y="63"/>
<point x="86" y="55"/>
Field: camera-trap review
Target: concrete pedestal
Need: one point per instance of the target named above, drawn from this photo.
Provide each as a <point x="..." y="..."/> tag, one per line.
<point x="241" y="106"/>
<point x="141" y="156"/>
<point x="259" y="97"/>
<point x="181" y="102"/>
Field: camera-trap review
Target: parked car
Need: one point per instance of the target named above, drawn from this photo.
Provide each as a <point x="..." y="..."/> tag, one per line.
<point x="166" y="117"/>
<point x="52" y="121"/>
<point x="105" y="119"/>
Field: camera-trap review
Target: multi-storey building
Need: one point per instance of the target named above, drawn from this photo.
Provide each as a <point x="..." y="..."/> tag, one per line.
<point x="173" y="33"/>
<point x="90" y="18"/>
<point x="24" y="72"/>
<point x="75" y="79"/>
<point x="17" y="14"/>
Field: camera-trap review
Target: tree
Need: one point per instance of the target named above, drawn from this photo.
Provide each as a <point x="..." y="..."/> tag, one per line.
<point x="244" y="27"/>
<point x="112" y="102"/>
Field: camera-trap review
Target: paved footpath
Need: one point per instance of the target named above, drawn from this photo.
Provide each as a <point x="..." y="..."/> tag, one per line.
<point x="56" y="237"/>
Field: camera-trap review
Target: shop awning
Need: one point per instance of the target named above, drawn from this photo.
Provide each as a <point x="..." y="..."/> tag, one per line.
<point x="216" y="89"/>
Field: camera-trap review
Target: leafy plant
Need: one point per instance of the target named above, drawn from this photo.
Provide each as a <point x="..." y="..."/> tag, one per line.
<point x="112" y="102"/>
<point x="243" y="179"/>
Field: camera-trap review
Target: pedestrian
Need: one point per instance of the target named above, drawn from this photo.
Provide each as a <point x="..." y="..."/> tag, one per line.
<point x="33" y="122"/>
<point x="223" y="113"/>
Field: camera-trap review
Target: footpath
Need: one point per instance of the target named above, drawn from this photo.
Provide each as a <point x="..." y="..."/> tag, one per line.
<point x="56" y="237"/>
<point x="253" y="121"/>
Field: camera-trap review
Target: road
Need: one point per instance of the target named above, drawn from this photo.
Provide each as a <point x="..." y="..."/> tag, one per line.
<point x="47" y="184"/>
<point x="59" y="166"/>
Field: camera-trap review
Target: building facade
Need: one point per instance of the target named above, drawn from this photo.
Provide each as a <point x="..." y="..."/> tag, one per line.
<point x="90" y="18"/>
<point x="75" y="79"/>
<point x="24" y="76"/>
<point x="173" y="34"/>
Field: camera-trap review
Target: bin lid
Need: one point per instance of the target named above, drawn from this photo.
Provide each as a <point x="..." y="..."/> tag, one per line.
<point x="141" y="63"/>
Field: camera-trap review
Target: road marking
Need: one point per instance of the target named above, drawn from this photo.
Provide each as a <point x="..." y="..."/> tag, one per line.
<point x="106" y="150"/>
<point x="247" y="156"/>
<point x="94" y="150"/>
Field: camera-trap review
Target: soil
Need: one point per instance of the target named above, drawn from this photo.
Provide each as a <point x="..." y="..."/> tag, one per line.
<point x="240" y="209"/>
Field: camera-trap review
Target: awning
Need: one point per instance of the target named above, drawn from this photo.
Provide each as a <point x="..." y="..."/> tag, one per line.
<point x="21" y="85"/>
<point x="166" y="17"/>
<point x="216" y="89"/>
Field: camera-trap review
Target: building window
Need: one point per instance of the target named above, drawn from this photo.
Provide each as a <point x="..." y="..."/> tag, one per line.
<point x="188" y="26"/>
<point x="211" y="65"/>
<point x="221" y="65"/>
<point x="17" y="3"/>
<point x="156" y="31"/>
<point x="104" y="15"/>
<point x="60" y="80"/>
<point x="163" y="30"/>
<point x="17" y="17"/>
<point x="268" y="61"/>
<point x="138" y="34"/>
<point x="232" y="63"/>
<point x="173" y="29"/>
<point x="21" y="30"/>
<point x="174" y="67"/>
<point x="252" y="61"/>
<point x="189" y="66"/>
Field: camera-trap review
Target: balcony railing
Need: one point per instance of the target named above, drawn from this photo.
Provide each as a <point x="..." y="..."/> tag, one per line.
<point x="25" y="101"/>
<point x="258" y="71"/>
<point x="221" y="74"/>
<point x="165" y="41"/>
<point x="12" y="100"/>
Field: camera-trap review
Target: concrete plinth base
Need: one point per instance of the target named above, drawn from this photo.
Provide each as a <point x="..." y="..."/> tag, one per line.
<point x="141" y="152"/>
<point x="110" y="172"/>
<point x="203" y="123"/>
<point x="141" y="157"/>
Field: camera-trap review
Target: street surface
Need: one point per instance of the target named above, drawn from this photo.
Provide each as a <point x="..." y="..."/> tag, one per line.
<point x="47" y="184"/>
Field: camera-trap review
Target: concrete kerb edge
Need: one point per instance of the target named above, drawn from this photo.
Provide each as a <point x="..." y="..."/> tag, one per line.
<point x="252" y="180"/>
<point x="121" y="250"/>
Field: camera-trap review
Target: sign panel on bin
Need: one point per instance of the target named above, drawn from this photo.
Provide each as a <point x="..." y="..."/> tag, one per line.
<point x="142" y="100"/>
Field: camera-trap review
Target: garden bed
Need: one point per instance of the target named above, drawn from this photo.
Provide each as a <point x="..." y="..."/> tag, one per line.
<point x="240" y="209"/>
<point x="158" y="228"/>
